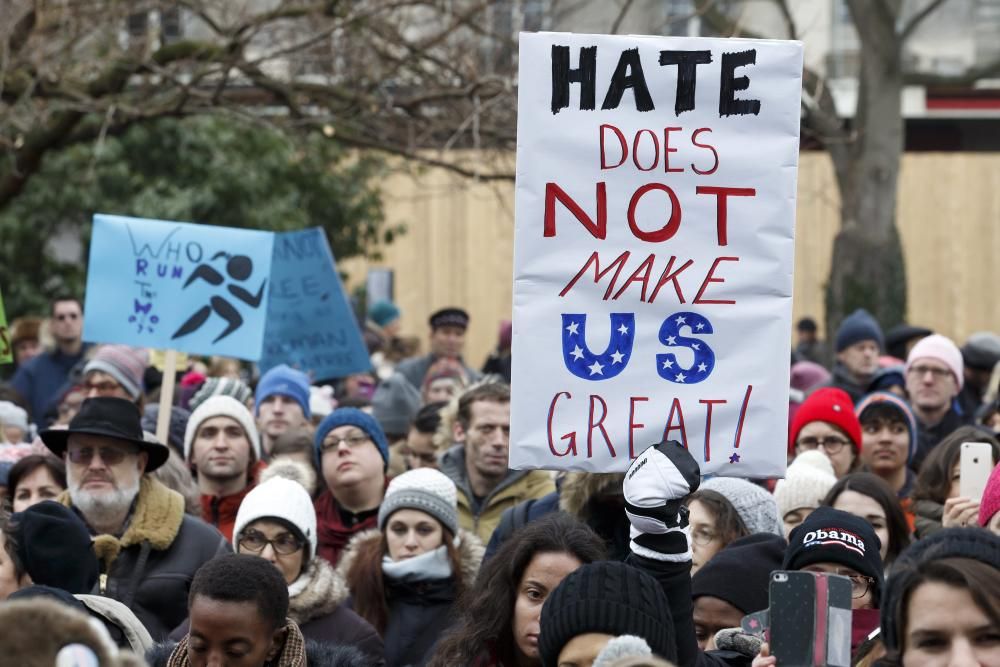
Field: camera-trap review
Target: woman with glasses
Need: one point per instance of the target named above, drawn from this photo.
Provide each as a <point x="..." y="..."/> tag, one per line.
<point x="404" y="577"/>
<point x="836" y="542"/>
<point x="826" y="422"/>
<point x="936" y="500"/>
<point x="277" y="522"/>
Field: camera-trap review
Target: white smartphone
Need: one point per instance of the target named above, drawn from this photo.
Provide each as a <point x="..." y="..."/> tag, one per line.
<point x="975" y="467"/>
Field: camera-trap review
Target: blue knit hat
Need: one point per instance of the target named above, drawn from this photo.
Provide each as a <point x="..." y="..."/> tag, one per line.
<point x="383" y="312"/>
<point x="351" y="417"/>
<point x="896" y="403"/>
<point x="285" y="381"/>
<point x="856" y="327"/>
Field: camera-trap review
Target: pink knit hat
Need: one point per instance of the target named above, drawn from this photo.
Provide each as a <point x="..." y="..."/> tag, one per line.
<point x="942" y="349"/>
<point x="990" y="504"/>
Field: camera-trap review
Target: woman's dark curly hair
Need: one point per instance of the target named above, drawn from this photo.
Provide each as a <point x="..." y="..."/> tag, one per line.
<point x="486" y="611"/>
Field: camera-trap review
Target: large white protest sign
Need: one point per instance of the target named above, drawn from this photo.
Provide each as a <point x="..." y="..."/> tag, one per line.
<point x="655" y="208"/>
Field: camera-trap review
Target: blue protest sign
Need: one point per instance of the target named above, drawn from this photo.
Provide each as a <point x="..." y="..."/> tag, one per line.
<point x="174" y="285"/>
<point x="310" y="325"/>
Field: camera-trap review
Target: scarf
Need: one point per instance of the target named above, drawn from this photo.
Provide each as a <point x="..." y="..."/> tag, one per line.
<point x="293" y="653"/>
<point x="428" y="566"/>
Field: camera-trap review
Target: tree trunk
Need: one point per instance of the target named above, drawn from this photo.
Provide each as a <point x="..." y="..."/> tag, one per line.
<point x="867" y="268"/>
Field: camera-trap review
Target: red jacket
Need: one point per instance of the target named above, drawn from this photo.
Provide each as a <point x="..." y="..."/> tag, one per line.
<point x="333" y="535"/>
<point x="220" y="511"/>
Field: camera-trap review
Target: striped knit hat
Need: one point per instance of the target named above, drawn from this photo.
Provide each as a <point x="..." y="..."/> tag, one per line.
<point x="898" y="405"/>
<point x="222" y="406"/>
<point x="221" y="387"/>
<point x="125" y="364"/>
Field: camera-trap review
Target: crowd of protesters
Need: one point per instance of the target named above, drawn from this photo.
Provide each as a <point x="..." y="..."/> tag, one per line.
<point x="373" y="520"/>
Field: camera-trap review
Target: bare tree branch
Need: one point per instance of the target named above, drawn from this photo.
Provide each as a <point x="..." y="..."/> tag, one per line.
<point x="918" y="18"/>
<point x="617" y="23"/>
<point x="786" y="15"/>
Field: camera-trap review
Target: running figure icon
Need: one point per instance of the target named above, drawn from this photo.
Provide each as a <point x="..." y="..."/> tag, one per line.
<point x="239" y="268"/>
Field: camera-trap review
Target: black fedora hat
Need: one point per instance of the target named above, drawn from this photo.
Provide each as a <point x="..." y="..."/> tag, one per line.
<point x="110" y="417"/>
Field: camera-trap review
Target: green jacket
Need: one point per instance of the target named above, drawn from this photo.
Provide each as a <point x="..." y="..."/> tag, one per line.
<point x="518" y="486"/>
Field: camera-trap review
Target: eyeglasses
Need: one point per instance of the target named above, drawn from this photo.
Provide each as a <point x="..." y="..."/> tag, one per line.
<point x="102" y="388"/>
<point x="936" y="373"/>
<point x="353" y="442"/>
<point x="110" y="455"/>
<point x="703" y="537"/>
<point x="284" y="544"/>
<point x="66" y="316"/>
<point x="860" y="584"/>
<point x="830" y="444"/>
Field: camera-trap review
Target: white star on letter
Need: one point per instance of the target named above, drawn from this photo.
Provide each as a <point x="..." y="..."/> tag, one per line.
<point x="671" y="340"/>
<point x="623" y="329"/>
<point x="577" y="353"/>
<point x="680" y="377"/>
<point x="702" y="368"/>
<point x="701" y="325"/>
<point x="667" y="363"/>
<point x="596" y="369"/>
<point x="696" y="346"/>
<point x="616" y="357"/>
<point x="680" y="320"/>
<point x="572" y="327"/>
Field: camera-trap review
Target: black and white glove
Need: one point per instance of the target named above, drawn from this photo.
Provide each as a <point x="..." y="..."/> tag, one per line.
<point x="655" y="486"/>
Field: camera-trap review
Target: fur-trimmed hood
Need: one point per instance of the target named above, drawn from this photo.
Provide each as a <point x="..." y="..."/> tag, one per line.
<point x="156" y="518"/>
<point x="470" y="553"/>
<point x="579" y="488"/>
<point x="315" y="593"/>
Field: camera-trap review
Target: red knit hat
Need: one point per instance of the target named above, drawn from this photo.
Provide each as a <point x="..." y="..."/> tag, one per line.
<point x="990" y="504"/>
<point x="830" y="405"/>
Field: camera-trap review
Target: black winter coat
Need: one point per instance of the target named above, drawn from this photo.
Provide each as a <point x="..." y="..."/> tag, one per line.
<point x="419" y="614"/>
<point x="150" y="567"/>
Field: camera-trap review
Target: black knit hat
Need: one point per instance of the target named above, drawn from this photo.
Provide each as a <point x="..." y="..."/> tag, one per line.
<point x="611" y="598"/>
<point x="973" y="543"/>
<point x="54" y="545"/>
<point x="740" y="573"/>
<point x="833" y="536"/>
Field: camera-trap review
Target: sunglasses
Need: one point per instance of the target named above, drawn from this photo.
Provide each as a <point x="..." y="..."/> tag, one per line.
<point x="110" y="455"/>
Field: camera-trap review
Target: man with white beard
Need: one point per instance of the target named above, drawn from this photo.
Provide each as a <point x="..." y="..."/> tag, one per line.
<point x="148" y="548"/>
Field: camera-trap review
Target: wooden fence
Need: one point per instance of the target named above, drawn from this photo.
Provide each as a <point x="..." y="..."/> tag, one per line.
<point x="459" y="243"/>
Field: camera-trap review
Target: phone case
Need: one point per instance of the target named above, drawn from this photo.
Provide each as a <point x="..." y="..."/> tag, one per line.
<point x="975" y="466"/>
<point x="810" y="619"/>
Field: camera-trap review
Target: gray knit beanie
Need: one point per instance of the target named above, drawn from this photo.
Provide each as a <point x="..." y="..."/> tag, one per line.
<point x="755" y="506"/>
<point x="423" y="489"/>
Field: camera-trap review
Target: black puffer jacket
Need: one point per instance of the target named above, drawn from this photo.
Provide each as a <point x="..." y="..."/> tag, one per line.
<point x="419" y="611"/>
<point x="419" y="614"/>
<point x="150" y="567"/>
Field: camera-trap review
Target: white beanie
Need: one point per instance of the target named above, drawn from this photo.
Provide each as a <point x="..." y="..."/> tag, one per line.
<point x="424" y="489"/>
<point x="807" y="481"/>
<point x="12" y="415"/>
<point x="221" y="406"/>
<point x="279" y="498"/>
